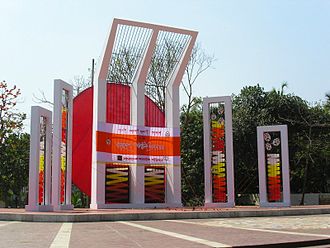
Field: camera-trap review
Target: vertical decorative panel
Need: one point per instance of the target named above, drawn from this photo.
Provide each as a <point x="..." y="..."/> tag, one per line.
<point x="40" y="160"/>
<point x="273" y="166"/>
<point x="42" y="167"/>
<point x="218" y="152"/>
<point x="154" y="184"/>
<point x="64" y="148"/>
<point x="272" y="141"/>
<point x="116" y="183"/>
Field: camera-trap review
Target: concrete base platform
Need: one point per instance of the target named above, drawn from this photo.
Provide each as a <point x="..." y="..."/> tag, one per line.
<point x="88" y="215"/>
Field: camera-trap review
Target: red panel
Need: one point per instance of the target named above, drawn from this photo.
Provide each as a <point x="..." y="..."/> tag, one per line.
<point x="118" y="111"/>
<point x="219" y="189"/>
<point x="274" y="188"/>
<point x="41" y="187"/>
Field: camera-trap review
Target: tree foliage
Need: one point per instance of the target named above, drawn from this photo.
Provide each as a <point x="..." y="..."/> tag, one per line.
<point x="309" y="142"/>
<point x="10" y="120"/>
<point x="14" y="169"/>
<point x="14" y="149"/>
<point x="309" y="131"/>
<point x="192" y="154"/>
<point x="199" y="62"/>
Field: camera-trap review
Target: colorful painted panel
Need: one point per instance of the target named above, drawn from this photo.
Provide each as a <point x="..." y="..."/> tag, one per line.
<point x="273" y="166"/>
<point x="42" y="167"/>
<point x="218" y="152"/>
<point x="116" y="183"/>
<point x="154" y="184"/>
<point x="65" y="106"/>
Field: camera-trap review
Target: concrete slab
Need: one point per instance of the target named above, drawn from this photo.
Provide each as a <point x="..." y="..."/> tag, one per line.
<point x="88" y="215"/>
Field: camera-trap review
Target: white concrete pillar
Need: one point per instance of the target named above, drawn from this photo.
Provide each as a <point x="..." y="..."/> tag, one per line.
<point x="173" y="171"/>
<point x="279" y="158"/>
<point x="34" y="165"/>
<point x="60" y="88"/>
<point x="138" y="117"/>
<point x="99" y="116"/>
<point x="98" y="168"/>
<point x="229" y="156"/>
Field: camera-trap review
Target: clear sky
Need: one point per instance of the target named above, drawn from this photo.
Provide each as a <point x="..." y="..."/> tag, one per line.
<point x="254" y="41"/>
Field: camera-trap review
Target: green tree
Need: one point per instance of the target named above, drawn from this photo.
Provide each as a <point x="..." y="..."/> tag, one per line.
<point x="249" y="111"/>
<point x="14" y="169"/>
<point x="310" y="148"/>
<point x="327" y="103"/>
<point x="309" y="143"/>
<point x="10" y="120"/>
<point x="192" y="161"/>
<point x="308" y="137"/>
<point x="14" y="148"/>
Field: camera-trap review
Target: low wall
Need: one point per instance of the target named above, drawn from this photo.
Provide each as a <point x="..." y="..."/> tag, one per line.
<point x="310" y="199"/>
<point x="325" y="199"/>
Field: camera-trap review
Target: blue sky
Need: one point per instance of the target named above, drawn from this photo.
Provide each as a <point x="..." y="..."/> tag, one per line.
<point x="265" y="42"/>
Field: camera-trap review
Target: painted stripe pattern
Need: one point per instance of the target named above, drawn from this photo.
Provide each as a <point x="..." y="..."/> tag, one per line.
<point x="42" y="150"/>
<point x="218" y="166"/>
<point x="64" y="147"/>
<point x="273" y="166"/>
<point x="154" y="184"/>
<point x="274" y="177"/>
<point x="41" y="179"/>
<point x="116" y="183"/>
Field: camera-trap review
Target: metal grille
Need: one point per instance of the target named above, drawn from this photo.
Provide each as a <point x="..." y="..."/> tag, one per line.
<point x="166" y="56"/>
<point x="130" y="44"/>
<point x="128" y="49"/>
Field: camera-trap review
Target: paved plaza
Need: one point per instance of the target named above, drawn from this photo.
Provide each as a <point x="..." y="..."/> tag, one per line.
<point x="293" y="231"/>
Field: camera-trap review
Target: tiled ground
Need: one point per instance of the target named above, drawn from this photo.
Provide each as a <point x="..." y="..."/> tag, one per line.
<point x="293" y="222"/>
<point x="227" y="232"/>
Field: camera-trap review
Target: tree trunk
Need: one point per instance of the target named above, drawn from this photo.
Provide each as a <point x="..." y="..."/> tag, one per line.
<point x="306" y="166"/>
<point x="304" y="184"/>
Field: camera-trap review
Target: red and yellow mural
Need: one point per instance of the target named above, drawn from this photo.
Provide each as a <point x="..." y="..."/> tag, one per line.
<point x="273" y="166"/>
<point x="116" y="183"/>
<point x="41" y="179"/>
<point x="218" y="162"/>
<point x="64" y="147"/>
<point x="42" y="168"/>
